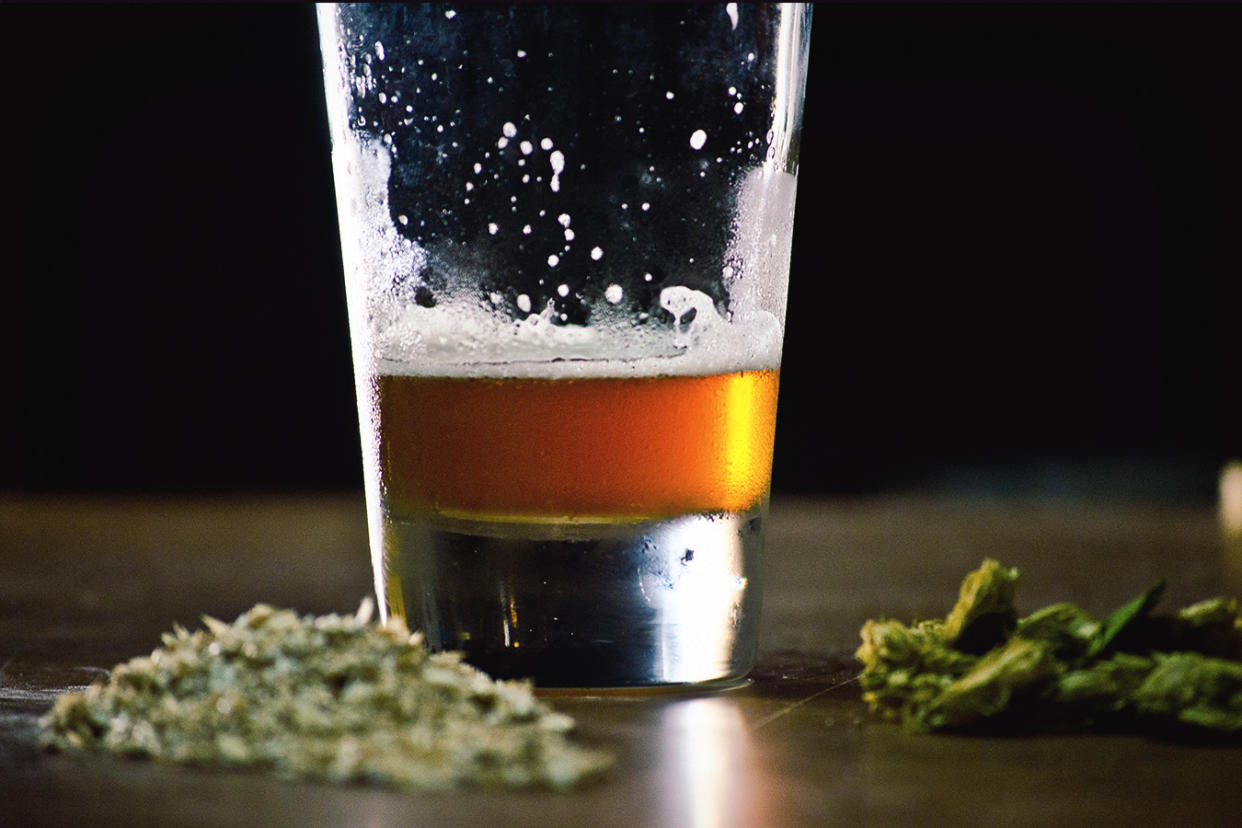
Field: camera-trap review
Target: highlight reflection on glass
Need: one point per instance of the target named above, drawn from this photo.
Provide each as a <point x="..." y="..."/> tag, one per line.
<point x="698" y="595"/>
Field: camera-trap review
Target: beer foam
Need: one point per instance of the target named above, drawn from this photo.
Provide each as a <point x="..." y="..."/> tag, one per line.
<point x="461" y="336"/>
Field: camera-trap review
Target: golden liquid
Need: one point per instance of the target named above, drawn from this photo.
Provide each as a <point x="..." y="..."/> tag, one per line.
<point x="575" y="449"/>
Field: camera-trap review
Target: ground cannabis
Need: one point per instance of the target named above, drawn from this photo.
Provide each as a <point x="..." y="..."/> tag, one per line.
<point x="330" y="697"/>
<point x="983" y="666"/>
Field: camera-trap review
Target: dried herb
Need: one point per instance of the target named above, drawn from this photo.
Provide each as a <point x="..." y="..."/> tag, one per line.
<point x="1059" y="666"/>
<point x="330" y="698"/>
<point x="1124" y="616"/>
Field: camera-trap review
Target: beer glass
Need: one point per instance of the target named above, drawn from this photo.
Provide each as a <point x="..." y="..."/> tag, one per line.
<point x="566" y="234"/>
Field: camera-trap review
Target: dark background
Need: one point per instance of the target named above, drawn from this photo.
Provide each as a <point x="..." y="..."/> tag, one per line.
<point x="1016" y="259"/>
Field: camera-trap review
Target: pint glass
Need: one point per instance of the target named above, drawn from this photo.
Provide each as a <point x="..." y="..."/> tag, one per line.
<point x="566" y="234"/>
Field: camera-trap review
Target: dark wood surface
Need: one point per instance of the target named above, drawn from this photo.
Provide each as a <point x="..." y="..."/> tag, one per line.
<point x="88" y="582"/>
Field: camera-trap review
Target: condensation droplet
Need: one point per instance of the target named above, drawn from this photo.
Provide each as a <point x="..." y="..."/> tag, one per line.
<point x="523" y="303"/>
<point x="404" y="220"/>
<point x="492" y="228"/>
<point x="450" y="14"/>
<point x="613" y="294"/>
<point x="526" y="147"/>
<point x="546" y="144"/>
<point x="509" y="129"/>
<point x="554" y="260"/>
<point x="697" y="139"/>
<point x="562" y="289"/>
<point x="597" y="253"/>
<point x="526" y="229"/>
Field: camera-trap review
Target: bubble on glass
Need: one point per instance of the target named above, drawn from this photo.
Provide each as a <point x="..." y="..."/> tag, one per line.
<point x="557" y="159"/>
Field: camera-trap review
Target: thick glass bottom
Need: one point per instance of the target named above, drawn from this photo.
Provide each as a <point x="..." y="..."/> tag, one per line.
<point x="590" y="605"/>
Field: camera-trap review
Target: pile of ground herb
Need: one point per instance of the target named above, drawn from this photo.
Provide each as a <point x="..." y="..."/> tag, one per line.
<point x="329" y="698"/>
<point x="984" y="667"/>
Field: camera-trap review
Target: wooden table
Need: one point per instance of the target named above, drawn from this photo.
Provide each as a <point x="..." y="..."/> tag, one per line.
<point x="88" y="582"/>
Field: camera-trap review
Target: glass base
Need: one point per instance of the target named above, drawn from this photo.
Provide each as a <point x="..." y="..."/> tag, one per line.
<point x="584" y="605"/>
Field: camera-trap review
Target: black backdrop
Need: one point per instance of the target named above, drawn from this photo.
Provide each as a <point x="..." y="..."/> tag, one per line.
<point x="1016" y="254"/>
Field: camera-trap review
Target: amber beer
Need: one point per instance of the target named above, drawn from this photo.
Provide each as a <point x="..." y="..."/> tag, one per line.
<point x="592" y="450"/>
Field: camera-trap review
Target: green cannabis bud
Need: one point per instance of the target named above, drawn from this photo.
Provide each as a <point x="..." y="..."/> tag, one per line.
<point x="984" y="666"/>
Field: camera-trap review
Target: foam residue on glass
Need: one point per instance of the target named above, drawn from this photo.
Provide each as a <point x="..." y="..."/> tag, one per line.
<point x="494" y="230"/>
